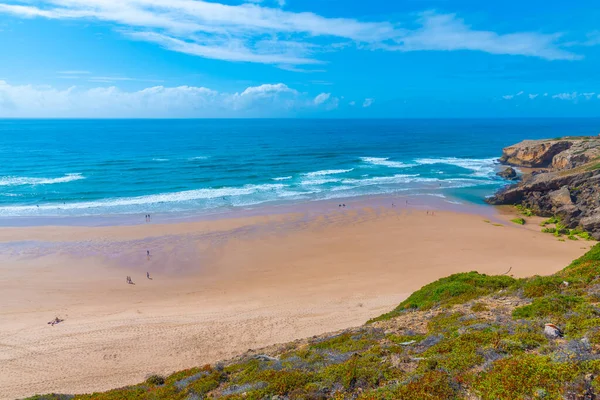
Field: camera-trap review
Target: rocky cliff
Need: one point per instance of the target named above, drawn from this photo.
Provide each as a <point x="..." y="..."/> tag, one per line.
<point x="565" y="182"/>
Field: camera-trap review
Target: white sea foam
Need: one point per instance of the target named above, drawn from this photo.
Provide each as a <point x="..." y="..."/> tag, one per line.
<point x="198" y="158"/>
<point x="383" y="180"/>
<point x="20" y="181"/>
<point x="160" y="159"/>
<point x="480" y="166"/>
<point x="328" y="172"/>
<point x="185" y="196"/>
<point x="282" y="178"/>
<point x="385" y="162"/>
<point x="319" y="181"/>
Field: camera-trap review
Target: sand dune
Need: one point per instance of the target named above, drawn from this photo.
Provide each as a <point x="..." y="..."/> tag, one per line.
<point x="221" y="287"/>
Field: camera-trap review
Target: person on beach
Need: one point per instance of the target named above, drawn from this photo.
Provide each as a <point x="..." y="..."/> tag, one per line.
<point x="148" y="254"/>
<point x="55" y="321"/>
<point x="148" y="275"/>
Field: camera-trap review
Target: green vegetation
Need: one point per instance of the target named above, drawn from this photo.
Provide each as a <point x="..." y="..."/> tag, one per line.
<point x="468" y="335"/>
<point x="560" y="229"/>
<point x="519" y="221"/>
<point x="455" y="289"/>
<point x="528" y="212"/>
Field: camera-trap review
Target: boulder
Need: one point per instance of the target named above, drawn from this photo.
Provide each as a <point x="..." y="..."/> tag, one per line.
<point x="560" y="197"/>
<point x="508" y="173"/>
<point x="552" y="331"/>
<point x="592" y="224"/>
<point x="569" y="215"/>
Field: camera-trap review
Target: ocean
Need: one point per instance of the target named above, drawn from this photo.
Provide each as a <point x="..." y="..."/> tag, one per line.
<point x="64" y="168"/>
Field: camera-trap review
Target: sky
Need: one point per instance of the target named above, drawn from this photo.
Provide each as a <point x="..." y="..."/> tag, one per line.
<point x="299" y="58"/>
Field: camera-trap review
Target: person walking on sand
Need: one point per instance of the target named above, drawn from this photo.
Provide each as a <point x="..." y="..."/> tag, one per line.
<point x="148" y="254"/>
<point x="148" y="275"/>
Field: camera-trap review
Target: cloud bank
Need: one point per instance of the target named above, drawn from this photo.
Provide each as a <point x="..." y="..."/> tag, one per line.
<point x="268" y="100"/>
<point x="255" y="32"/>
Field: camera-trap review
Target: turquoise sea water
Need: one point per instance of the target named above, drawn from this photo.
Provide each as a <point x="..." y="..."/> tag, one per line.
<point x="102" y="167"/>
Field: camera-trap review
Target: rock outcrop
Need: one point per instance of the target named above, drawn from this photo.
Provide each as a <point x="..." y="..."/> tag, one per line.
<point x="508" y="173"/>
<point x="568" y="186"/>
<point x="565" y="153"/>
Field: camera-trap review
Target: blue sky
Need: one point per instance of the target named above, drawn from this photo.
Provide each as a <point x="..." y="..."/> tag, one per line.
<point x="299" y="58"/>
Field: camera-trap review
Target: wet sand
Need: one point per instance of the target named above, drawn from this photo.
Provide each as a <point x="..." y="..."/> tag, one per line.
<point x="223" y="286"/>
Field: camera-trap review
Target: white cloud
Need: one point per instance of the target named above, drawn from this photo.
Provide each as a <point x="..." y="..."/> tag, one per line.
<point x="22" y="101"/>
<point x="352" y="103"/>
<point x="322" y="98"/>
<point x="111" y="79"/>
<point x="327" y="101"/>
<point x="447" y="32"/>
<point x="520" y="93"/>
<point x="592" y="39"/>
<point x="588" y="95"/>
<point x="533" y="96"/>
<point x="253" y="32"/>
<point x="74" y="72"/>
<point x="565" y="96"/>
<point x="368" y="102"/>
<point x="291" y="68"/>
<point x="508" y="97"/>
<point x="545" y="94"/>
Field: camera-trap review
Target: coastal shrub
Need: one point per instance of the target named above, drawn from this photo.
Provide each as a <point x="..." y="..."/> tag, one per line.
<point x="479" y="307"/>
<point x="549" y="230"/>
<point x="550" y="221"/>
<point x="585" y="269"/>
<point x="524" y="210"/>
<point x="434" y="384"/>
<point x="593" y="167"/>
<point x="551" y="306"/>
<point x="462" y="352"/>
<point x="346" y="342"/>
<point x="155" y="380"/>
<point x="585" y="236"/>
<point x="454" y="289"/>
<point x="539" y="286"/>
<point x="525" y="376"/>
<point x="366" y="371"/>
<point x="572" y="237"/>
<point x="519" y="221"/>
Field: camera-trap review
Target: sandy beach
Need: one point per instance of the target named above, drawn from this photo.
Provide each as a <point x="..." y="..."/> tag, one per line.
<point x="224" y="286"/>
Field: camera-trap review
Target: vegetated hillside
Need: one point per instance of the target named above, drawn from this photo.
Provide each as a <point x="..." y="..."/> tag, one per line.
<point x="467" y="336"/>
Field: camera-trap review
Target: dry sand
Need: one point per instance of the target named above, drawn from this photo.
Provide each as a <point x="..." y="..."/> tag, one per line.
<point x="222" y="287"/>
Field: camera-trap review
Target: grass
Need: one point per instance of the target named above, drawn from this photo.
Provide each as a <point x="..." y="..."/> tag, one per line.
<point x="518" y="221"/>
<point x="476" y="336"/>
<point x="455" y="289"/>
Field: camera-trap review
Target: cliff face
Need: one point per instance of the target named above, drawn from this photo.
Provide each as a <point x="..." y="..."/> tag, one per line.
<point x="569" y="187"/>
<point x="557" y="153"/>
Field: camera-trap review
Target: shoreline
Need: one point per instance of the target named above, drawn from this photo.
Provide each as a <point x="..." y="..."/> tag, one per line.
<point x="312" y="207"/>
<point x="223" y="286"/>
